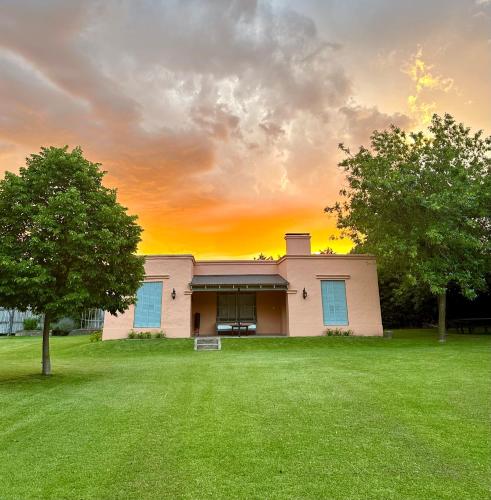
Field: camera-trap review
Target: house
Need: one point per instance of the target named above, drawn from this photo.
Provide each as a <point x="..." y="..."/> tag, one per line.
<point x="300" y="294"/>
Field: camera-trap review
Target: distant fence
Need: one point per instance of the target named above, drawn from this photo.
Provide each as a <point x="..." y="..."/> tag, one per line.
<point x="12" y="320"/>
<point x="92" y="319"/>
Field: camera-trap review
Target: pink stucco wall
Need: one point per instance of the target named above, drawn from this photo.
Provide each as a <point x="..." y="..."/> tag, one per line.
<point x="362" y="296"/>
<point x="206" y="304"/>
<point x="271" y="313"/>
<point x="277" y="312"/>
<point x="176" y="273"/>
<point x="219" y="267"/>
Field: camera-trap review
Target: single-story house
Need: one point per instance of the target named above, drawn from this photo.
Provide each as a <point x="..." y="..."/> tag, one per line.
<point x="300" y="294"/>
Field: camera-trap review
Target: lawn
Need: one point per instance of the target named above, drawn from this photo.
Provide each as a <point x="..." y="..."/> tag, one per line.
<point x="337" y="418"/>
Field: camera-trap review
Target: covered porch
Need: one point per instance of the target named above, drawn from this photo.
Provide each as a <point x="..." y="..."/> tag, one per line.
<point x="239" y="305"/>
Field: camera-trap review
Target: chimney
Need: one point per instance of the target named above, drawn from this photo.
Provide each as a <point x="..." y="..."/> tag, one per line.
<point x="297" y="243"/>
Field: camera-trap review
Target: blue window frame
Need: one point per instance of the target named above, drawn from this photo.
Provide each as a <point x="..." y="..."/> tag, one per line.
<point x="334" y="307"/>
<point x="148" y="307"/>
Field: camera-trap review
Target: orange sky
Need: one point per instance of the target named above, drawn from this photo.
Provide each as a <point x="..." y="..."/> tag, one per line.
<point x="218" y="122"/>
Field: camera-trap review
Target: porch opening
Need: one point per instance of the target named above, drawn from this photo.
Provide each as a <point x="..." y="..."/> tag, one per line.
<point x="239" y="305"/>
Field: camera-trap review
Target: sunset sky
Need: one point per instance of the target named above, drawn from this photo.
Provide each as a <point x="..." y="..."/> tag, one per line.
<point x="218" y="121"/>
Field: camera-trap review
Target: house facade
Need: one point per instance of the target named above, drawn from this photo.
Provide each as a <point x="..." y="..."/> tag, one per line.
<point x="300" y="294"/>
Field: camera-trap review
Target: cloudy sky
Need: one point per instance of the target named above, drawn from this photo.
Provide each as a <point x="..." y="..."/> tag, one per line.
<point x="218" y="121"/>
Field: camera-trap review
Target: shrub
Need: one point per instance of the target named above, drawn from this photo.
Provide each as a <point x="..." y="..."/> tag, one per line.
<point x="63" y="327"/>
<point x="96" y="336"/>
<point x="30" y="323"/>
<point x="145" y="335"/>
<point x="59" y="333"/>
<point x="338" y="332"/>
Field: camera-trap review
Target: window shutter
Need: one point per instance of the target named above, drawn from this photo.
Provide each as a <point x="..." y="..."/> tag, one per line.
<point x="334" y="306"/>
<point x="148" y="307"/>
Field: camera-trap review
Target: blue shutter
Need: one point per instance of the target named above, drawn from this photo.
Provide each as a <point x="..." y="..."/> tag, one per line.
<point x="148" y="307"/>
<point x="334" y="306"/>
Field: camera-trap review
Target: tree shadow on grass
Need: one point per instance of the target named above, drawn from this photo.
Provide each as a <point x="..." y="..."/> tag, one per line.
<point x="66" y="377"/>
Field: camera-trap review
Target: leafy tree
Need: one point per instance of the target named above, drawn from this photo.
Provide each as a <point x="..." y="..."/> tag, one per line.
<point x="262" y="256"/>
<point x="404" y="308"/>
<point x="327" y="251"/>
<point x="421" y="202"/>
<point x="66" y="244"/>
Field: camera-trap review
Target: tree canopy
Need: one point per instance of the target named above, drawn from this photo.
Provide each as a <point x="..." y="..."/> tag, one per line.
<point x="326" y="251"/>
<point x="421" y="202"/>
<point x="263" y="256"/>
<point x="66" y="244"/>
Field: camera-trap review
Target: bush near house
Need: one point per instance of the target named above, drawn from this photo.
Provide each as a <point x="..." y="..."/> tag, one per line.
<point x="96" y="336"/>
<point x="338" y="332"/>
<point x="146" y="335"/>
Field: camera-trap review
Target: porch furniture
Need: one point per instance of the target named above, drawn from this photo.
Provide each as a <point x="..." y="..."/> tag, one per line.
<point x="235" y="328"/>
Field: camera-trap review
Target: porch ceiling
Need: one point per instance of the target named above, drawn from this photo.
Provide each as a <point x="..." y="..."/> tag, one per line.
<point x="242" y="281"/>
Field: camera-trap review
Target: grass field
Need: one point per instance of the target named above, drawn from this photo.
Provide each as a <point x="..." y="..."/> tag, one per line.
<point x="337" y="418"/>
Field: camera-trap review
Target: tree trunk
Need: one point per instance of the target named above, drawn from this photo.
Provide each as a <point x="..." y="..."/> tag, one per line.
<point x="442" y="306"/>
<point x="46" y="360"/>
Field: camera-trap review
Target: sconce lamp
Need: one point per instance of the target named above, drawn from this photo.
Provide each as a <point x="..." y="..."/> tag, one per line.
<point x="304" y="293"/>
<point x="173" y="294"/>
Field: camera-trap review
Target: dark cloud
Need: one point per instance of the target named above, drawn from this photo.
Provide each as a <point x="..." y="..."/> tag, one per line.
<point x="217" y="121"/>
<point x="362" y="121"/>
<point x="49" y="35"/>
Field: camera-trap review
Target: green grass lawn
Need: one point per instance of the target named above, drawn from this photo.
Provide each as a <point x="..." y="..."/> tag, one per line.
<point x="337" y="418"/>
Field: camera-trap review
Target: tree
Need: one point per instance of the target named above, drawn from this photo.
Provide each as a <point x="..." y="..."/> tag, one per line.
<point x="262" y="256"/>
<point x="421" y="202"/>
<point x="404" y="308"/>
<point x="66" y="244"/>
<point x="327" y="251"/>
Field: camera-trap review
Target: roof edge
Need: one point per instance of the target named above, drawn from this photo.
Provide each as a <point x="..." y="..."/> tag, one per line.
<point x="258" y="262"/>
<point x="156" y="256"/>
<point x="350" y="256"/>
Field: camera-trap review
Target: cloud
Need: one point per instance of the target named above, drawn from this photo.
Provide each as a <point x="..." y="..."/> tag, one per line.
<point x="210" y="117"/>
<point x="362" y="121"/>
<point x="425" y="82"/>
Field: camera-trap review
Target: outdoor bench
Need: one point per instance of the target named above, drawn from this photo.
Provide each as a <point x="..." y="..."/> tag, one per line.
<point x="235" y="328"/>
